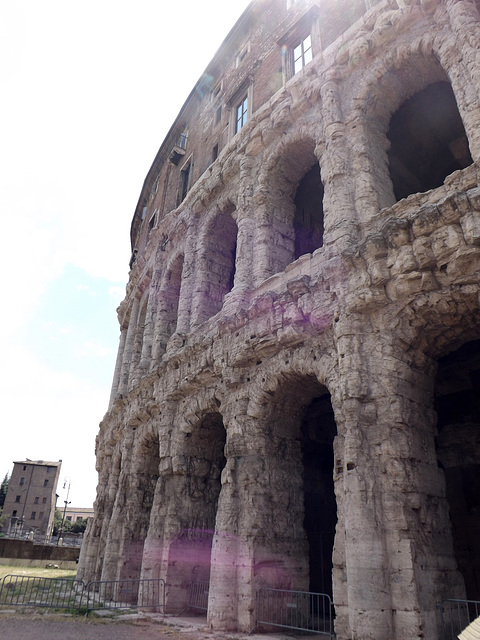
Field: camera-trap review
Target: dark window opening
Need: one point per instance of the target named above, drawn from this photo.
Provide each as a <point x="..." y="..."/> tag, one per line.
<point x="69" y="518"/>
<point x="24" y="467"/>
<point x="22" y="481"/>
<point x="33" y="516"/>
<point x="318" y="432"/>
<point x="215" y="153"/>
<point x="14" y="513"/>
<point x="45" y="483"/>
<point x="308" y="222"/>
<point x="184" y="182"/>
<point x="18" y="498"/>
<point x="457" y="403"/>
<point x="44" y="501"/>
<point x="36" y="500"/>
<point x="151" y="223"/>
<point x="428" y="141"/>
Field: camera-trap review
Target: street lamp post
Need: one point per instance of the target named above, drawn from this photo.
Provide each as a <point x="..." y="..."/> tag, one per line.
<point x="66" y="502"/>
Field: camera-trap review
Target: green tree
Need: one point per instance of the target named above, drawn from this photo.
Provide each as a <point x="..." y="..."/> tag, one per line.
<point x="57" y="523"/>
<point x="4" y="489"/>
<point x="79" y="525"/>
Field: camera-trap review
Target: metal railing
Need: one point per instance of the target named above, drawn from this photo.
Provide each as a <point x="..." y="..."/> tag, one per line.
<point x="198" y="598"/>
<point x="298" y="610"/>
<point x="456" y="615"/>
<point x="61" y="593"/>
<point x="29" y="591"/>
<point x="125" y="594"/>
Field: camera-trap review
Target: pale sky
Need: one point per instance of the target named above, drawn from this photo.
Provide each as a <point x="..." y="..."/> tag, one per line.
<point x="89" y="91"/>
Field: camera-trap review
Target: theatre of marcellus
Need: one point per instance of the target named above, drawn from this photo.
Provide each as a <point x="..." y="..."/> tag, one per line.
<point x="296" y="398"/>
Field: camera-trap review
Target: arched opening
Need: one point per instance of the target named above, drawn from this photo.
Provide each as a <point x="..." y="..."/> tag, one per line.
<point x="147" y="461"/>
<point x="457" y="403"/>
<point x="303" y="433"/>
<point x="167" y="310"/>
<point x="318" y="432"/>
<point x="428" y="141"/>
<point x="217" y="273"/>
<point x="308" y="221"/>
<point x="190" y="551"/>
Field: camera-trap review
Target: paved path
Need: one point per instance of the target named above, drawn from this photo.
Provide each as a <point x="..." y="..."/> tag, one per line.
<point x="44" y="626"/>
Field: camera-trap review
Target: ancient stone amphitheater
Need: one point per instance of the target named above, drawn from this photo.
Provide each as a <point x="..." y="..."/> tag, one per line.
<point x="296" y="400"/>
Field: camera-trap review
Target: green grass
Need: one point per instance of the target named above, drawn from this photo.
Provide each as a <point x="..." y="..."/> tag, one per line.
<point x="37" y="572"/>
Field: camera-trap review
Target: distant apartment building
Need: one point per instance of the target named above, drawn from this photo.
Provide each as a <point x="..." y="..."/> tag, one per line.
<point x="31" y="496"/>
<point x="72" y="514"/>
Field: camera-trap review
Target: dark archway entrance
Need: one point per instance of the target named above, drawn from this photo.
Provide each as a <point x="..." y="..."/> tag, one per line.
<point x="308" y="221"/>
<point x="318" y="432"/>
<point x="457" y="402"/>
<point x="428" y="141"/>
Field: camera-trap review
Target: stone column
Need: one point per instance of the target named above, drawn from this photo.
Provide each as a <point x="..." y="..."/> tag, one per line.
<point x="333" y="156"/>
<point x="398" y="547"/>
<point x="118" y="366"/>
<point x="188" y="276"/>
<point x="259" y="536"/>
<point x="127" y="352"/>
<point x="465" y="52"/>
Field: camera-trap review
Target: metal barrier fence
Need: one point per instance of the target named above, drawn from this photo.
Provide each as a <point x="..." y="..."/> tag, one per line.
<point x="28" y="591"/>
<point x="198" y="598"/>
<point x="125" y="594"/>
<point x="456" y="615"/>
<point x="298" y="610"/>
<point x="61" y="593"/>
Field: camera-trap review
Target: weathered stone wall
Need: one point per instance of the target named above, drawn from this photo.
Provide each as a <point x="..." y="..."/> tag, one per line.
<point x="254" y="391"/>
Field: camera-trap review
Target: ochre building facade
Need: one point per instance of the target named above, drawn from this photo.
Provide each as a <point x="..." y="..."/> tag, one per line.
<point x="295" y="402"/>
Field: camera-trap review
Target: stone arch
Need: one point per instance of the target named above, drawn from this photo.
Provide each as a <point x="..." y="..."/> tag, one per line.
<point x="215" y="269"/>
<point x="261" y="539"/>
<point x="287" y="222"/>
<point x="168" y="303"/>
<point x="389" y="85"/>
<point x="145" y="469"/>
<point x="197" y="450"/>
<point x="302" y="428"/>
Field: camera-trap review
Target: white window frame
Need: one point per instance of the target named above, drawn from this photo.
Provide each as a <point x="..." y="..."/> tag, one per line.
<point x="301" y="53"/>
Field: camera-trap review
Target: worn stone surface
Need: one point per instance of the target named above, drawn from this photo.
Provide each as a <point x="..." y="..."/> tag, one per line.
<point x="274" y="413"/>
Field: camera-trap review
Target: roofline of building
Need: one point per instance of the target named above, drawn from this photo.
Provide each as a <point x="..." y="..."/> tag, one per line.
<point x="43" y="463"/>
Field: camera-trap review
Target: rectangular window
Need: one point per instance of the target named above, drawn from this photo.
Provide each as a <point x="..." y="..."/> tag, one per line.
<point x="241" y="111"/>
<point x="14" y="513"/>
<point x="44" y="501"/>
<point x="69" y="518"/>
<point x="45" y="483"/>
<point x="302" y="54"/>
<point x="218" y="115"/>
<point x="215" y="153"/>
<point x="36" y="500"/>
<point x="24" y="467"/>
<point x="33" y="516"/>
<point x="17" y="499"/>
<point x="22" y="481"/>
